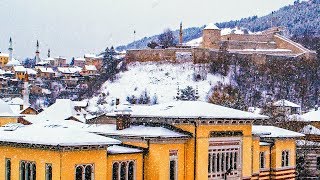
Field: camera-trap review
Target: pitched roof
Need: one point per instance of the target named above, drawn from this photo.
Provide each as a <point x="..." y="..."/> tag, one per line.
<point x="5" y="110"/>
<point x="313" y="115"/>
<point x="309" y="129"/>
<point x="211" y="26"/>
<point x="46" y="134"/>
<point x="191" y="109"/>
<point x="90" y="67"/>
<point x="274" y="132"/>
<point x="118" y="149"/>
<point x="62" y="109"/>
<point x="285" y="103"/>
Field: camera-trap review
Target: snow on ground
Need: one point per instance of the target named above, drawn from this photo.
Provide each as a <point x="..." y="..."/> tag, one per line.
<point x="160" y="80"/>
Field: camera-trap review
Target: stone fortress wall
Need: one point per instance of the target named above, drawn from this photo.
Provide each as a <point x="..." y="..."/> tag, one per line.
<point x="259" y="47"/>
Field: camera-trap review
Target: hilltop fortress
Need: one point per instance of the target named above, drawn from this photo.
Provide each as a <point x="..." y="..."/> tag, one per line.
<point x="260" y="47"/>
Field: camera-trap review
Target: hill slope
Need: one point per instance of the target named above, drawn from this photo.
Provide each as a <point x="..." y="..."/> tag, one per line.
<point x="300" y="19"/>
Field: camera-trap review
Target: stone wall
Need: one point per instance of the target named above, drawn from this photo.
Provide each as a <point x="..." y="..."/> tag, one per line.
<point x="250" y="45"/>
<point x="155" y="55"/>
<point x="248" y="37"/>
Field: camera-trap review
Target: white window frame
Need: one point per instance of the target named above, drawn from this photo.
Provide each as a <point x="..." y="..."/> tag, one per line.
<point x="230" y="146"/>
<point x="174" y="157"/>
<point x="263" y="153"/>
<point x="127" y="168"/>
<point x="284" y="161"/>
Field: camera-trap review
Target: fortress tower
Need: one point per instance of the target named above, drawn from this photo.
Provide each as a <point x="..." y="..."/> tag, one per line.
<point x="211" y="37"/>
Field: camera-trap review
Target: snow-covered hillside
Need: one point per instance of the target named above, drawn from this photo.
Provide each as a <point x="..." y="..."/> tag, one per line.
<point x="159" y="80"/>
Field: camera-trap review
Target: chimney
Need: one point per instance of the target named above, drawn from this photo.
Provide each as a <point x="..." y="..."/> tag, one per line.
<point x="123" y="117"/>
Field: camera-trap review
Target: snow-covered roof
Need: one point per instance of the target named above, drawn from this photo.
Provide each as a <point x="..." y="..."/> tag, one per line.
<point x="90" y="56"/>
<point x="68" y="70"/>
<point x="13" y="62"/>
<point x="307" y="143"/>
<point x="274" y="132"/>
<point x="285" y="103"/>
<point x="79" y="59"/>
<point x="4" y="55"/>
<point x="90" y="67"/>
<point x="17" y="101"/>
<point x="5" y="110"/>
<point x="309" y="129"/>
<point x="82" y="103"/>
<point x="211" y="26"/>
<point x="19" y="69"/>
<point x="313" y="115"/>
<point x="191" y="109"/>
<point x="41" y="63"/>
<point x="134" y="131"/>
<point x="62" y="109"/>
<point x="264" y="144"/>
<point x="118" y="149"/>
<point x="31" y="71"/>
<point x="46" y="70"/>
<point x="52" y="135"/>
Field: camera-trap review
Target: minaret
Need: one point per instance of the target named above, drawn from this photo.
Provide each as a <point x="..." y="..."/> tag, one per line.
<point x="181" y="35"/>
<point x="26" y="92"/>
<point x="37" y="53"/>
<point x="10" y="49"/>
<point x="48" y="53"/>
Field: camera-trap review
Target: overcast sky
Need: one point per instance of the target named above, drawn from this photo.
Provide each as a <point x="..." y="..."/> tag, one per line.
<point x="73" y="27"/>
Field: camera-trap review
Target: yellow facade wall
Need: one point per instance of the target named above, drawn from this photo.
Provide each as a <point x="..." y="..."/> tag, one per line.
<point x="158" y="161"/>
<point x="63" y="163"/>
<point x="6" y="120"/>
<point x="203" y="136"/>
<point x="138" y="158"/>
<point x="255" y="156"/>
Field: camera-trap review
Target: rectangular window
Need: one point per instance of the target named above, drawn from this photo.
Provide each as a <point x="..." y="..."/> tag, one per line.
<point x="285" y="158"/>
<point x="173" y="164"/>
<point x="8" y="169"/>
<point x="224" y="158"/>
<point x="318" y="163"/>
<point x="262" y="160"/>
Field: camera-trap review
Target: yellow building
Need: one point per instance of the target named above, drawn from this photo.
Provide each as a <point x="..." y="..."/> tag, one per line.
<point x="4" y="58"/>
<point x="182" y="140"/>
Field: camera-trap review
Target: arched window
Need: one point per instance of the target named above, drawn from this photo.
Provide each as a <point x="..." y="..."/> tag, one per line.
<point x="33" y="171"/>
<point x="8" y="169"/>
<point x="84" y="172"/>
<point x="79" y="172"/>
<point x="131" y="171"/>
<point x="88" y="172"/>
<point x="48" y="172"/>
<point x="22" y="170"/>
<point x="123" y="171"/>
<point x="28" y="172"/>
<point x="115" y="171"/>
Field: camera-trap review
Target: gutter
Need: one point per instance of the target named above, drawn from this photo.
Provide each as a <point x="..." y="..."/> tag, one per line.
<point x="195" y="150"/>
